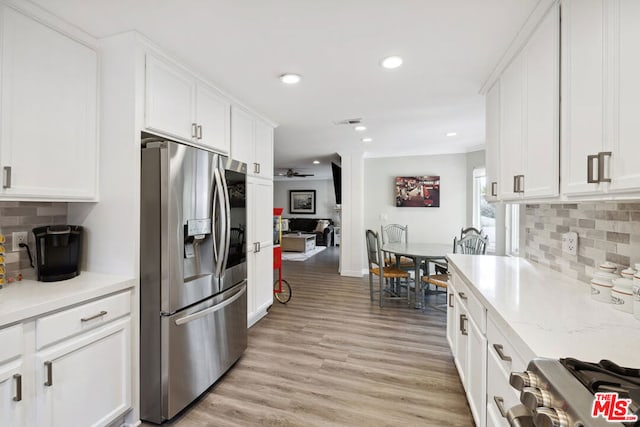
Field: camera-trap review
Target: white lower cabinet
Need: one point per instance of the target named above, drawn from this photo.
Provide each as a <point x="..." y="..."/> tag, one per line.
<point x="465" y="333"/>
<point x="83" y="378"/>
<point x="11" y="405"/>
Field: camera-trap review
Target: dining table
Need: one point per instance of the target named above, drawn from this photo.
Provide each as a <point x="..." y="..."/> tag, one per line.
<point x="419" y="252"/>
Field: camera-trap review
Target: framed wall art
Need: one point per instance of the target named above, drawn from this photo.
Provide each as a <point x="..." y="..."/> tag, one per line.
<point x="302" y="201"/>
<point x="417" y="191"/>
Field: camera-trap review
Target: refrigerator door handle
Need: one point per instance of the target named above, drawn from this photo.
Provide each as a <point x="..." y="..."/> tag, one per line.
<point x="213" y="309"/>
<point x="220" y="247"/>
<point x="227" y="217"/>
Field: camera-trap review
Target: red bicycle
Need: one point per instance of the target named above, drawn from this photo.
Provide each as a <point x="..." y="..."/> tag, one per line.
<point x="281" y="288"/>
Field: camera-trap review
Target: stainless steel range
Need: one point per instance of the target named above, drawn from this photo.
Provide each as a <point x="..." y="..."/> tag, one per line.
<point x="561" y="393"/>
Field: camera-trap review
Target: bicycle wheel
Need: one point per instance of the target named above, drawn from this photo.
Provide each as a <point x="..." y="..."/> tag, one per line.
<point x="285" y="293"/>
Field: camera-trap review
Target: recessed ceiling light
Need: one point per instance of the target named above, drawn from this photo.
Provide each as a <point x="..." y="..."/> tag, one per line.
<point x="360" y="128"/>
<point x="451" y="133"/>
<point x="316" y="162"/>
<point x="391" y="62"/>
<point x="290" y="78"/>
<point x="367" y="139"/>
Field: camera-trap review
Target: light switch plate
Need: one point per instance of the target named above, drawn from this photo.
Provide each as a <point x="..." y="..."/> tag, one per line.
<point x="570" y="243"/>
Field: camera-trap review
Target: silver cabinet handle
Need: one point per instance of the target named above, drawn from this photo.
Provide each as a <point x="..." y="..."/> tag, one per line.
<point x="521" y="184"/>
<point x="199" y="132"/>
<point x="500" y="350"/>
<point x="256" y="168"/>
<point x="451" y="300"/>
<point x="18" y="396"/>
<point x="500" y="404"/>
<point x="601" y="156"/>
<point x="259" y="248"/>
<point x="515" y="183"/>
<point x="462" y="295"/>
<point x="49" y="366"/>
<point x="7" y="177"/>
<point x="590" y="160"/>
<point x="194" y="130"/>
<point x="95" y="316"/>
<point x="463" y="319"/>
<point x="494" y="189"/>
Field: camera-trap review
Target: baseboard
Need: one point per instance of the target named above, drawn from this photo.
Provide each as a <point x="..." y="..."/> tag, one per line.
<point x="353" y="273"/>
<point x="258" y="315"/>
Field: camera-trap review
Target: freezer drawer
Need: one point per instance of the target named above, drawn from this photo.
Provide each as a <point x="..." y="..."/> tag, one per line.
<point x="202" y="342"/>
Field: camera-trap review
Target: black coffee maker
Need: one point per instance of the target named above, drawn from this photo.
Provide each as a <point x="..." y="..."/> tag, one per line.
<point x="58" y="252"/>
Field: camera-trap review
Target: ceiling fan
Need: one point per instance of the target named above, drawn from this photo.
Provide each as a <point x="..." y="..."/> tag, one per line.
<point x="292" y="173"/>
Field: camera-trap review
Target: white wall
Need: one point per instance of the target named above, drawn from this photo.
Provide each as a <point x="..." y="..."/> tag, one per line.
<point x="434" y="225"/>
<point x="325" y="196"/>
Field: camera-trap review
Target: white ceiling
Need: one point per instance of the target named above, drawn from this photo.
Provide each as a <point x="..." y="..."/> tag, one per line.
<point x="449" y="48"/>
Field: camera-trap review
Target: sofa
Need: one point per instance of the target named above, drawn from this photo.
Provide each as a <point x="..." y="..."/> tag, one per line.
<point x="310" y="226"/>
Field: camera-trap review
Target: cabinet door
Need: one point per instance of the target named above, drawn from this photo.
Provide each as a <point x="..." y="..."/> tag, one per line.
<point x="492" y="140"/>
<point x="477" y="372"/>
<point x="12" y="404"/>
<point x="214" y="119"/>
<point x="169" y="100"/>
<point x="452" y="324"/>
<point x="541" y="143"/>
<point x="85" y="381"/>
<point x="259" y="263"/>
<point x="49" y="96"/>
<point x="511" y="116"/>
<point x="625" y="88"/>
<point x="264" y="149"/>
<point x="461" y="321"/>
<point x="583" y="91"/>
<point x="242" y="138"/>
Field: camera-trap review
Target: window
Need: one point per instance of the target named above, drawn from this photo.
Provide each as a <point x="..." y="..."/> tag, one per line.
<point x="513" y="230"/>
<point x="484" y="213"/>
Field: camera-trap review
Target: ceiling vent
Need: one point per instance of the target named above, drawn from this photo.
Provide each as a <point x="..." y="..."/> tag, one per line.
<point x="348" y="121"/>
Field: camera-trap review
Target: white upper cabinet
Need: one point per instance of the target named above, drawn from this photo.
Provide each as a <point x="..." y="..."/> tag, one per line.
<point x="528" y="125"/>
<point x="625" y="87"/>
<point x="492" y="141"/>
<point x="214" y="119"/>
<point x="252" y="143"/>
<point x="541" y="144"/>
<point x="182" y="107"/>
<point x="48" y="137"/>
<point x="601" y="93"/>
<point x="510" y="148"/>
<point x="582" y="129"/>
<point x="169" y="103"/>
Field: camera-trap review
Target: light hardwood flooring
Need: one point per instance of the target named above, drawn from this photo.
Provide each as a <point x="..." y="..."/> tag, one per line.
<point x="331" y="358"/>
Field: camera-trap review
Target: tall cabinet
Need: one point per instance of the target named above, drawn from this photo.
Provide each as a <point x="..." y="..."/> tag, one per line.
<point x="252" y="143"/>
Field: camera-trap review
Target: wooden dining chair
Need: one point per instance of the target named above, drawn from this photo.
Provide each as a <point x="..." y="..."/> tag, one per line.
<point x="377" y="268"/>
<point x="396" y="233"/>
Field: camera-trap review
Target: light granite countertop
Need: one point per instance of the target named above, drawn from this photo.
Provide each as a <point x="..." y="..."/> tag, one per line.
<point x="552" y="314"/>
<point x="29" y="298"/>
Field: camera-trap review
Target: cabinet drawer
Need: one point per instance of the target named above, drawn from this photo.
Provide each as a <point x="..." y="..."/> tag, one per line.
<point x="503" y="350"/>
<point x="55" y="327"/>
<point x="477" y="312"/>
<point x="11" y="339"/>
<point x="500" y="395"/>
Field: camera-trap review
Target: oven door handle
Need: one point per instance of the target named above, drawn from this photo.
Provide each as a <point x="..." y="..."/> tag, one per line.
<point x="207" y="311"/>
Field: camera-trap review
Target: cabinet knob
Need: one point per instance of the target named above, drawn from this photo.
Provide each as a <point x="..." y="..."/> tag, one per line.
<point x="550" y="417"/>
<point x="535" y="397"/>
<point x="520" y="380"/>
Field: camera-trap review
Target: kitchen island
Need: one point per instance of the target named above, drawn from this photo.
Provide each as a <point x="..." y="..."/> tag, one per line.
<point x="504" y="311"/>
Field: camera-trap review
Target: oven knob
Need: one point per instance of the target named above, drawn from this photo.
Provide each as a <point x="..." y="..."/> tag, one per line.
<point x="550" y="417"/>
<point x="534" y="397"/>
<point x="520" y="380"/>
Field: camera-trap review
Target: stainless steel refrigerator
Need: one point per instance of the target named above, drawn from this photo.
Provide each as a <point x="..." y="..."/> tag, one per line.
<point x="193" y="302"/>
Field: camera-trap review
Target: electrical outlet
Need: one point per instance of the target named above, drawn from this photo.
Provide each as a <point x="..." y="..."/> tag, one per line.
<point x="18" y="237"/>
<point x="570" y="243"/>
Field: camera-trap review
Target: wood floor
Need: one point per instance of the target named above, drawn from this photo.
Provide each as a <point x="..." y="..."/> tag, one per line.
<point x="331" y="358"/>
